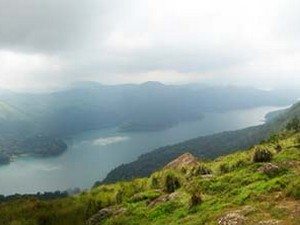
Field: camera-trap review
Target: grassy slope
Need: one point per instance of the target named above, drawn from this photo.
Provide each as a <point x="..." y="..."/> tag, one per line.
<point x="239" y="185"/>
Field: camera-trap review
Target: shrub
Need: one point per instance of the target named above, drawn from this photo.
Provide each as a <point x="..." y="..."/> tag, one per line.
<point x="91" y="208"/>
<point x="119" y="196"/>
<point x="297" y="140"/>
<point x="171" y="183"/>
<point x="154" y="182"/>
<point x="293" y="189"/>
<point x="262" y="155"/>
<point x="293" y="125"/>
<point x="278" y="148"/>
<point x="224" y="168"/>
<point x="195" y="199"/>
<point x="201" y="170"/>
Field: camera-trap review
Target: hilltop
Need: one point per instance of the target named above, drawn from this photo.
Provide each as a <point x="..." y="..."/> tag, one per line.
<point x="259" y="185"/>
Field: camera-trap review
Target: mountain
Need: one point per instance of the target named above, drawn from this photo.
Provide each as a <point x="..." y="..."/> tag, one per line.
<point x="205" y="147"/>
<point x="135" y="107"/>
<point x="259" y="185"/>
<point x="150" y="106"/>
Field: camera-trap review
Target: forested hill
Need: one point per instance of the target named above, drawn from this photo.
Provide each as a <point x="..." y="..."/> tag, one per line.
<point x="204" y="147"/>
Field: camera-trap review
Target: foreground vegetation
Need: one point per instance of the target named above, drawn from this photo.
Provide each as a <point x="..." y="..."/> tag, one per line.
<point x="260" y="185"/>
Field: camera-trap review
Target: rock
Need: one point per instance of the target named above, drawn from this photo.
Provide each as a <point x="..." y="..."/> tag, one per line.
<point x="232" y="218"/>
<point x="163" y="198"/>
<point x="269" y="222"/>
<point x="183" y="161"/>
<point x="268" y="168"/>
<point x="246" y="210"/>
<point x="207" y="176"/>
<point x="104" y="214"/>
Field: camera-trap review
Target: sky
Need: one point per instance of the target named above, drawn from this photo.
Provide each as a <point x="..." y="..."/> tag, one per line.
<point x="50" y="44"/>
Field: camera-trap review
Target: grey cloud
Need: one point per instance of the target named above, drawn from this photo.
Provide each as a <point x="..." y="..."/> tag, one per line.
<point x="39" y="25"/>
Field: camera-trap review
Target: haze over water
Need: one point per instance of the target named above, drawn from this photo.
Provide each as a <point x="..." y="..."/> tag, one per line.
<point x="91" y="155"/>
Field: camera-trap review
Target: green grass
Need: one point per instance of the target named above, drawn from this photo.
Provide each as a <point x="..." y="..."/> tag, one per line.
<point x="235" y="183"/>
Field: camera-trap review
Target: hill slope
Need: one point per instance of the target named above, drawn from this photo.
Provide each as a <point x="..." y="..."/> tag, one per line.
<point x="206" y="147"/>
<point x="257" y="186"/>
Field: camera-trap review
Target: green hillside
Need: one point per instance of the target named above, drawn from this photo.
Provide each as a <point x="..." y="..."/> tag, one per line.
<point x="210" y="146"/>
<point x="260" y="185"/>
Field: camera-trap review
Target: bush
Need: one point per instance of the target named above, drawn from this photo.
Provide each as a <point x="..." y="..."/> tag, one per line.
<point x="195" y="199"/>
<point x="297" y="140"/>
<point x="119" y="196"/>
<point x="293" y="125"/>
<point x="201" y="170"/>
<point x="154" y="182"/>
<point x="171" y="183"/>
<point x="262" y="155"/>
<point x="278" y="148"/>
<point x="293" y="189"/>
<point x="91" y="208"/>
<point x="224" y="168"/>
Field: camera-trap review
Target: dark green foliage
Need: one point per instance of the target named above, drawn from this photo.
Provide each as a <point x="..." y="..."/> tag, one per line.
<point x="261" y="155"/>
<point x="224" y="168"/>
<point x="274" y="138"/>
<point x="293" y="189"/>
<point x="195" y="199"/>
<point x="294" y="124"/>
<point x="297" y="140"/>
<point x="154" y="182"/>
<point x="92" y="207"/>
<point x="171" y="183"/>
<point x="278" y="148"/>
<point x="119" y="196"/>
<point x="201" y="170"/>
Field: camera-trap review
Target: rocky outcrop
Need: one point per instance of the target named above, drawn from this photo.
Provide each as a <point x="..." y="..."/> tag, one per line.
<point x="183" y="161"/>
<point x="232" y="218"/>
<point x="163" y="198"/>
<point x="103" y="214"/>
<point x="237" y="217"/>
<point x="269" y="222"/>
<point x="268" y="168"/>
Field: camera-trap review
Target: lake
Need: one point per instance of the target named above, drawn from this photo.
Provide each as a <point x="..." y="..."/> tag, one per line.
<point x="91" y="155"/>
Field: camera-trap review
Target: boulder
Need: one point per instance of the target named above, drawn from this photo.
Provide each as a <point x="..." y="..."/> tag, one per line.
<point x="163" y="198"/>
<point x="269" y="222"/>
<point x="232" y="218"/>
<point x="184" y="161"/>
<point x="268" y="168"/>
<point x="104" y="214"/>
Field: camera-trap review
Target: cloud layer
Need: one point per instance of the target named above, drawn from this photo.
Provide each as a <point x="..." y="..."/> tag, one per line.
<point x="52" y="43"/>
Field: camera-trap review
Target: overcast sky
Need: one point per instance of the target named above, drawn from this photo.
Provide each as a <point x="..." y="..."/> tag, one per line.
<point x="46" y="44"/>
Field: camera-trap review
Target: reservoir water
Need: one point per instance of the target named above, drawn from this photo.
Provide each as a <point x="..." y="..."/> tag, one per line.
<point x="91" y="155"/>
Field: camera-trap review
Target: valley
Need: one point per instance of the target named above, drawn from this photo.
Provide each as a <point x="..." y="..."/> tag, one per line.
<point x="92" y="155"/>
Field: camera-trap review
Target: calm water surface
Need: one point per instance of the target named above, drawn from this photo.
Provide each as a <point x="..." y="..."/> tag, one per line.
<point x="91" y="155"/>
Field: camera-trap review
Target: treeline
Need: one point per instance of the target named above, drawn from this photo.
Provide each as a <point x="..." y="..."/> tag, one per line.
<point x="39" y="195"/>
<point x="38" y="145"/>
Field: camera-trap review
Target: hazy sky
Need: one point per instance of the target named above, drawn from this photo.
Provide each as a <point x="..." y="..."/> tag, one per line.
<point x="51" y="43"/>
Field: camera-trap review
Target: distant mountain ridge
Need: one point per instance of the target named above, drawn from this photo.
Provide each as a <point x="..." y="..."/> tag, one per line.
<point x="149" y="106"/>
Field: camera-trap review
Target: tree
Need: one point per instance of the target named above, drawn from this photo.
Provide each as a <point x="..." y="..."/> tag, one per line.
<point x="294" y="124"/>
<point x="171" y="183"/>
